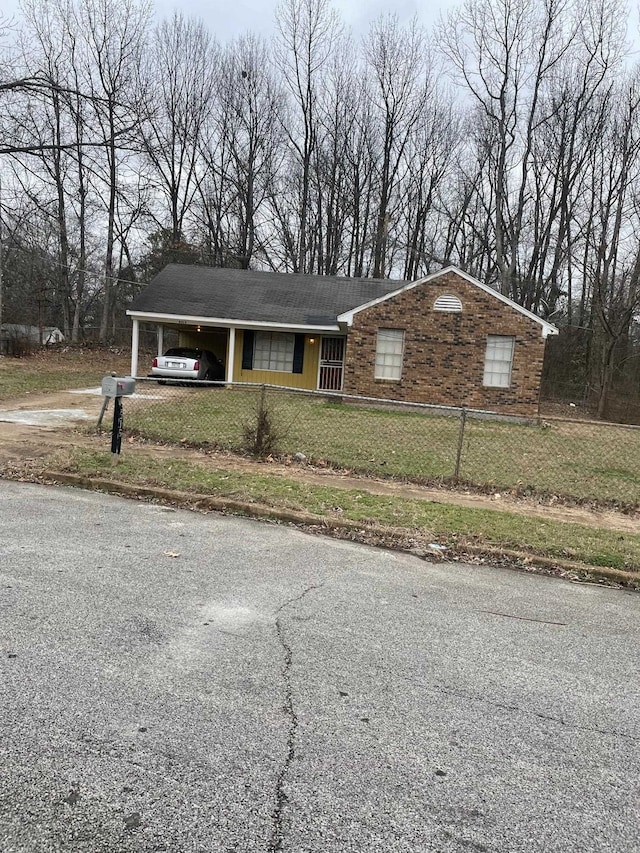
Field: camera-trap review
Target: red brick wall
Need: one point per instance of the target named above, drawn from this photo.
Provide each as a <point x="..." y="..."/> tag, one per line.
<point x="444" y="353"/>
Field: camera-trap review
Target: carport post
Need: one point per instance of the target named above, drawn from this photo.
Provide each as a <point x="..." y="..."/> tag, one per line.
<point x="231" y="352"/>
<point x="135" y="337"/>
<point x="160" y="340"/>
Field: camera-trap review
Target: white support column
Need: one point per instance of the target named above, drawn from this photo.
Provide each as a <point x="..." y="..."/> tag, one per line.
<point x="135" y="337"/>
<point x="160" y="340"/>
<point x="231" y="352"/>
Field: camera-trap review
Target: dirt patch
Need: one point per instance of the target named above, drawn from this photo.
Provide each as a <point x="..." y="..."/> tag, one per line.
<point x="20" y="443"/>
<point x="56" y="400"/>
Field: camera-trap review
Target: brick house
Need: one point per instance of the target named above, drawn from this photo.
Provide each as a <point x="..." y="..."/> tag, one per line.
<point x="446" y="339"/>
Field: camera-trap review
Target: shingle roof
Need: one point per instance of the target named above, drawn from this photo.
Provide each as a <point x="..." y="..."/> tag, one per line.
<point x="257" y="297"/>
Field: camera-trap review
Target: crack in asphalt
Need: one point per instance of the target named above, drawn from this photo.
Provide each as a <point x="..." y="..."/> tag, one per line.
<point x="465" y="842"/>
<point x="522" y="618"/>
<point x="277" y="833"/>
<point x="299" y="597"/>
<point x="503" y="706"/>
<point x="539" y="715"/>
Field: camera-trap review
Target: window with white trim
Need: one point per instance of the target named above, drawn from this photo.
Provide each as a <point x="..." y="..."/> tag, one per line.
<point x="273" y="351"/>
<point x="389" y="351"/>
<point x="448" y="303"/>
<point x="498" y="361"/>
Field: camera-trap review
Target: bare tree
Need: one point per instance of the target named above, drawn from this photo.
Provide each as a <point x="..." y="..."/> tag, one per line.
<point x="47" y="45"/>
<point x="429" y="159"/>
<point x="242" y="146"/>
<point x="115" y="33"/>
<point x="180" y="71"/>
<point x="307" y="32"/>
<point x="612" y="247"/>
<point x="334" y="189"/>
<point x="503" y="51"/>
<point x="250" y="120"/>
<point x="399" y="61"/>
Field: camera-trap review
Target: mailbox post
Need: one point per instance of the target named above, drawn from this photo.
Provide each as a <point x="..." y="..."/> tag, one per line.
<point x="115" y="388"/>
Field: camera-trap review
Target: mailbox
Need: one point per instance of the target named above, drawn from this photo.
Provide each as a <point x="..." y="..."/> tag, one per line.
<point x="118" y="386"/>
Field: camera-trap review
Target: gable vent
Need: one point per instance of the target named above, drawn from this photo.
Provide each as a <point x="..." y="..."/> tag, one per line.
<point x="447" y="302"/>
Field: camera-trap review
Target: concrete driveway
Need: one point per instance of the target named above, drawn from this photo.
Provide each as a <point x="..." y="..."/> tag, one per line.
<point x="179" y="682"/>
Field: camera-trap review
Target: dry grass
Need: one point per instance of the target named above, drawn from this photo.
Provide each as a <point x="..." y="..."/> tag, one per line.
<point x="58" y="369"/>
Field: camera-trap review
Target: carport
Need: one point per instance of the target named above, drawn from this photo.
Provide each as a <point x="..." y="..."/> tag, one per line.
<point x="205" y="333"/>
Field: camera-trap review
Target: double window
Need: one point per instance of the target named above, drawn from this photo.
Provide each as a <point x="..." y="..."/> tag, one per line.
<point x="498" y="361"/>
<point x="273" y="351"/>
<point x="278" y="351"/>
<point x="389" y="352"/>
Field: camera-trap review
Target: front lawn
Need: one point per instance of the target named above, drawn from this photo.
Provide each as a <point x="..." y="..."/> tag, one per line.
<point x="580" y="460"/>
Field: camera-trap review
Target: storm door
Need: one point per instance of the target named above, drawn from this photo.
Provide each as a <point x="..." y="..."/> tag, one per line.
<point x="331" y="364"/>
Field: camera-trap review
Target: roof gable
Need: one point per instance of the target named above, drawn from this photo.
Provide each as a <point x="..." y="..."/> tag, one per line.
<point x="547" y="328"/>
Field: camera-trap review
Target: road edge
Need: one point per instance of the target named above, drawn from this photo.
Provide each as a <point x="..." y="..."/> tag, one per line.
<point x="365" y="533"/>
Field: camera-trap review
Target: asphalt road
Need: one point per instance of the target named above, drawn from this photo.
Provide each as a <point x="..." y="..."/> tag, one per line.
<point x="182" y="682"/>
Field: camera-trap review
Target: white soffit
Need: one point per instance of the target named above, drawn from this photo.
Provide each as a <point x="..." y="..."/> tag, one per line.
<point x="226" y="322"/>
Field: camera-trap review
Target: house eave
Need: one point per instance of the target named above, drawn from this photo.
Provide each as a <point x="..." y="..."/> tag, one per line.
<point x="230" y="323"/>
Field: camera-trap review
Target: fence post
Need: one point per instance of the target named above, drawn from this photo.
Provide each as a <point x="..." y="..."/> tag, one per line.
<point x="463" y="421"/>
<point x="262" y="402"/>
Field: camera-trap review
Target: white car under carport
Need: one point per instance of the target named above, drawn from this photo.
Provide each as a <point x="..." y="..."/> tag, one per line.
<point x="188" y="363"/>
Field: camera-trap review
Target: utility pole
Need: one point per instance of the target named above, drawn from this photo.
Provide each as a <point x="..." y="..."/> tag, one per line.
<point x="1" y="345"/>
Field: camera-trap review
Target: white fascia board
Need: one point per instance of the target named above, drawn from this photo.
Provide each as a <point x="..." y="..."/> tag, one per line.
<point x="348" y="316"/>
<point x="547" y="328"/>
<point x="226" y="323"/>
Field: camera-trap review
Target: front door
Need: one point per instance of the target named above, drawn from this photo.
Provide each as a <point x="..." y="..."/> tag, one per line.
<point x="331" y="364"/>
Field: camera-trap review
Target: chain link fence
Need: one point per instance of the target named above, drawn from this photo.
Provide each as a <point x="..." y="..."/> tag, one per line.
<point x="415" y="442"/>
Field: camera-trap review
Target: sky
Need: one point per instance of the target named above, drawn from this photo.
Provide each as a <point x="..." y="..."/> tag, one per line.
<point x="228" y="18"/>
